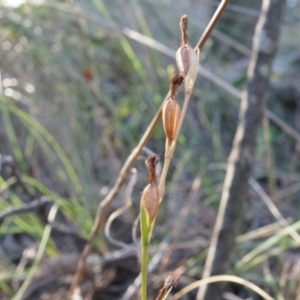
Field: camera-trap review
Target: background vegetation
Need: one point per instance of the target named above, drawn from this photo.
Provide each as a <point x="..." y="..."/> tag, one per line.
<point x="78" y="89"/>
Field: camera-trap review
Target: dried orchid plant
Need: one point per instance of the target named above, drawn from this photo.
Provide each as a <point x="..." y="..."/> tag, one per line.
<point x="188" y="62"/>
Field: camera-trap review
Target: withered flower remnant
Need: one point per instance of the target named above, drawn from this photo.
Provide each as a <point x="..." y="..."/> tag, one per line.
<point x="183" y="25"/>
<point x="176" y="82"/>
<point x="185" y="54"/>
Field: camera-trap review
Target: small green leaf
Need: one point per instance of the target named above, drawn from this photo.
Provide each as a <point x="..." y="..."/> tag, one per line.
<point x="146" y="227"/>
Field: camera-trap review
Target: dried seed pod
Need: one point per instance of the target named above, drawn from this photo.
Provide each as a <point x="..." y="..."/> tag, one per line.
<point x="150" y="200"/>
<point x="184" y="58"/>
<point x="170" y="115"/>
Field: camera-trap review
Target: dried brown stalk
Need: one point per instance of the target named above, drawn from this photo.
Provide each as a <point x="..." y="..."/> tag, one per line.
<point x="241" y="157"/>
<point x="170" y="282"/>
<point x="31" y="206"/>
<point x="212" y="24"/>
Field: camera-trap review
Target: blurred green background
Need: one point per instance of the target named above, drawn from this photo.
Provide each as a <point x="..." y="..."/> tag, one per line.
<point x="78" y="91"/>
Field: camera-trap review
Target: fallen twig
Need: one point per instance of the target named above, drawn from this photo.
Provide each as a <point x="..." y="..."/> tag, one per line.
<point x="25" y="207"/>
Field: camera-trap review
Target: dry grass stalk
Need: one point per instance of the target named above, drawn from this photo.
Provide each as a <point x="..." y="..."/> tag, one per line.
<point x="170" y="282"/>
<point x="222" y="278"/>
<point x="241" y="156"/>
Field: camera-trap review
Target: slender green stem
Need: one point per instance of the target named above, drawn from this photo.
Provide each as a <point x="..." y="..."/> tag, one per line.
<point x="146" y="230"/>
<point x="144" y="270"/>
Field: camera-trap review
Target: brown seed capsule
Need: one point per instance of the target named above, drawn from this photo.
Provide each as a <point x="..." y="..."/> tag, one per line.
<point x="184" y="58"/>
<point x="170" y="115"/>
<point x="150" y="200"/>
